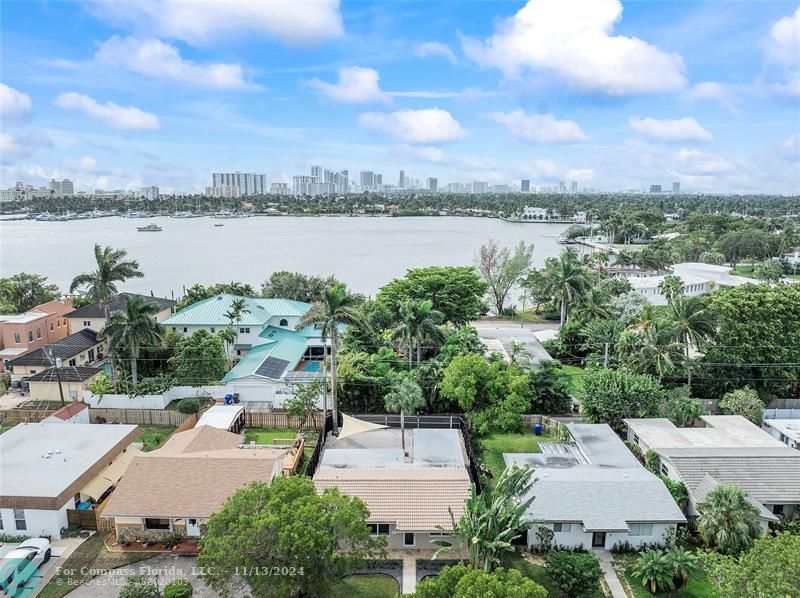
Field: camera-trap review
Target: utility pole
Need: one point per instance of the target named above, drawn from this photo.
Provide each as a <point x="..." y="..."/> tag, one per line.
<point x="605" y="356"/>
<point x="522" y="313"/>
<point x="51" y="354"/>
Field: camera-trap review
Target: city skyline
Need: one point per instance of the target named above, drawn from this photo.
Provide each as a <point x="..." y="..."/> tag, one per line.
<point x="138" y="95"/>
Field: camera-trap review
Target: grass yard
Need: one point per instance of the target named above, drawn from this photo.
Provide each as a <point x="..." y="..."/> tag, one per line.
<point x="575" y="377"/>
<point x="371" y="585"/>
<point x="747" y="271"/>
<point x="89" y="560"/>
<point x="281" y="436"/>
<point x="491" y="448"/>
<point x="699" y="586"/>
<point x="537" y="573"/>
<point x="154" y="436"/>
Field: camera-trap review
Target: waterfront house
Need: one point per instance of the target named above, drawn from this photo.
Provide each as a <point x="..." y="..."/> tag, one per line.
<point x="37" y="327"/>
<point x="49" y="468"/>
<point x="408" y="496"/>
<point x="80" y="349"/>
<point x="93" y="315"/>
<point x="697" y="279"/>
<point x="726" y="449"/>
<point x="176" y="488"/>
<point x="591" y="491"/>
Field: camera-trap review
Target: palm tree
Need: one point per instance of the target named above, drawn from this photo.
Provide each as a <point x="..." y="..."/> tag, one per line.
<point x="101" y="284"/>
<point x="728" y="520"/>
<point x="405" y="397"/>
<point x="418" y="323"/>
<point x="566" y="280"/>
<point x="692" y="321"/>
<point x="654" y="570"/>
<point x="234" y="314"/>
<point x="657" y="353"/>
<point x="493" y="518"/>
<point x="683" y="563"/>
<point x="670" y="287"/>
<point x="594" y="304"/>
<point x="337" y="307"/>
<point x="132" y="329"/>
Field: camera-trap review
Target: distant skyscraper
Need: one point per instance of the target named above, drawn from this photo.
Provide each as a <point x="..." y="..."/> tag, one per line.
<point x="562" y="187"/>
<point x="279" y="189"/>
<point x="401" y="182"/>
<point x="367" y="179"/>
<point x="301" y="184"/>
<point x="55" y="187"/>
<point x="525" y="186"/>
<point x="249" y="183"/>
<point x="67" y="188"/>
<point x="573" y="187"/>
<point x="378" y="181"/>
<point x="149" y="193"/>
<point x="480" y="187"/>
<point x="433" y="184"/>
<point x="655" y="188"/>
<point x="676" y="188"/>
<point x="316" y="172"/>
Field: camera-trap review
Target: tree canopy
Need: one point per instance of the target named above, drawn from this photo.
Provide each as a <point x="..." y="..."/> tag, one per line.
<point x="296" y="286"/>
<point x="24" y="291"/>
<point x="458" y="581"/>
<point x="198" y="359"/>
<point x="611" y="395"/>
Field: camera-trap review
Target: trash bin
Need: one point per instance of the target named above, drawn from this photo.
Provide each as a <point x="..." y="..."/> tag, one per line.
<point x="229" y="399"/>
<point x="537" y="429"/>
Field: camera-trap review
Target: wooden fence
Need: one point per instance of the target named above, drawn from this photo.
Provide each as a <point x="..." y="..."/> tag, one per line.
<point x="141" y="417"/>
<point x="13" y="417"/>
<point x="82" y="519"/>
<point x="279" y="420"/>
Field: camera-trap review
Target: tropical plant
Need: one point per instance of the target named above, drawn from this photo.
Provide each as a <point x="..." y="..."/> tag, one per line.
<point x="610" y="396"/>
<point x="654" y="570"/>
<point x="576" y="574"/>
<point x="336" y="309"/>
<point x="198" y="359"/>
<point x="683" y="564"/>
<point x="405" y="398"/>
<point x="745" y="402"/>
<point x="418" y="323"/>
<point x="100" y="386"/>
<point x="129" y="330"/>
<point x="234" y="314"/>
<point x="458" y="581"/>
<point x="595" y="304"/>
<point x="24" y="291"/>
<point x="727" y="520"/>
<point x="304" y="402"/>
<point x="692" y="321"/>
<point x="189" y="406"/>
<point x="492" y="519"/>
<point x="670" y="287"/>
<point x="178" y="588"/>
<point x="682" y="409"/>
<point x="566" y="280"/>
<point x="139" y="586"/>
<point x="502" y="269"/>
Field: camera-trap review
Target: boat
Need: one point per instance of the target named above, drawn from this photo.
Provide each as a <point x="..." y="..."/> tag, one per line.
<point x="219" y="224"/>
<point x="150" y="228"/>
<point x="224" y="214"/>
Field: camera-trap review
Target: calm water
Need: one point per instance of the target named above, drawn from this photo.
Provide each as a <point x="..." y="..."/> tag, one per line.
<point x="364" y="252"/>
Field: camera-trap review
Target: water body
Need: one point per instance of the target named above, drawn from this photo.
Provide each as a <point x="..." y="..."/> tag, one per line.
<point x="366" y="253"/>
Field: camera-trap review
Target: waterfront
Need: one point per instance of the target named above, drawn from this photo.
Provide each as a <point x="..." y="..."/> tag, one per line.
<point x="364" y="252"/>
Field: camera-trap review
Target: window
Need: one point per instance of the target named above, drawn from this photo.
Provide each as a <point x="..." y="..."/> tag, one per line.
<point x="87" y="323"/>
<point x="33" y="371"/>
<point x="174" y="329"/>
<point x="636" y="439"/>
<point x="30" y="336"/>
<point x="664" y="470"/>
<point x="562" y="527"/>
<point x="91" y="355"/>
<point x="17" y="338"/>
<point x="439" y="535"/>
<point x="409" y="539"/>
<point x="1" y="522"/>
<point x="378" y="529"/>
<point x="284" y="322"/>
<point x="185" y="329"/>
<point x="72" y="363"/>
<point x="19" y="519"/>
<point x="38" y="333"/>
<point x="51" y="327"/>
<point x="157" y="524"/>
<point x="777" y="509"/>
<point x="213" y="329"/>
<point x="641" y="529"/>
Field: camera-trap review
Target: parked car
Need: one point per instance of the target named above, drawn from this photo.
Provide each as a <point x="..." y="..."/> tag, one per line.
<point x="18" y="567"/>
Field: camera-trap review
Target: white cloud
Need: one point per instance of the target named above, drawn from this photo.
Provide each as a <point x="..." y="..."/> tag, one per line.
<point x="88" y="165"/>
<point x="13" y="103"/>
<point x="356" y="85"/>
<point x="291" y="21"/>
<point x="681" y="129"/>
<point x="543" y="169"/>
<point x="697" y="163"/>
<point x="15" y="147"/>
<point x="114" y="115"/>
<point x="716" y="92"/>
<point x="424" y="152"/>
<point x="782" y="50"/>
<point x="426" y="49"/>
<point x="539" y="128"/>
<point x="430" y="125"/>
<point x="154" y="58"/>
<point x="468" y="94"/>
<point x="580" y="174"/>
<point x="573" y="39"/>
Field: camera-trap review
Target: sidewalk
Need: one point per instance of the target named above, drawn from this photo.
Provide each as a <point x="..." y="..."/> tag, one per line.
<point x="607" y="565"/>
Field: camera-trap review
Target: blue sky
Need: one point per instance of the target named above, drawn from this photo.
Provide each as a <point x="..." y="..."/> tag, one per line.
<point x="615" y="95"/>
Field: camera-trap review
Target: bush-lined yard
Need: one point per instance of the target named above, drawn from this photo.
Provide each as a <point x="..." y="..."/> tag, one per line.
<point x="154" y="436"/>
<point x="699" y="585"/>
<point x="491" y="448"/>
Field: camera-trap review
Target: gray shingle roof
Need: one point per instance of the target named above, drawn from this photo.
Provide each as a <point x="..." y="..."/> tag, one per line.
<point x="117" y="303"/>
<point x="707" y="484"/>
<point x="66" y="348"/>
<point x="67" y="374"/>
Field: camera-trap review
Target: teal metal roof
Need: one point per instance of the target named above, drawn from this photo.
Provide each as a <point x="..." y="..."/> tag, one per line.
<point x="288" y="347"/>
<point x="211" y="312"/>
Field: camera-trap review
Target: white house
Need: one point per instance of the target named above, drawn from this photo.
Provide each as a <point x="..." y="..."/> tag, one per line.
<point x="727" y="449"/>
<point x="593" y="492"/>
<point x="529" y="213"/>
<point x="48" y="468"/>
<point x="783" y="425"/>
<point x="697" y="279"/>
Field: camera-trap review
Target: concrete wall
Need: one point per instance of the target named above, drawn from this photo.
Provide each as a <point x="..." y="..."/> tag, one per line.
<point x="39" y="522"/>
<point x="122" y="401"/>
<point x="578" y="537"/>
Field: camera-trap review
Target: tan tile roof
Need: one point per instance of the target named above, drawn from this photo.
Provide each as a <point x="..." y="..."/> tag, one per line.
<point x="414" y="499"/>
<point x="192" y="475"/>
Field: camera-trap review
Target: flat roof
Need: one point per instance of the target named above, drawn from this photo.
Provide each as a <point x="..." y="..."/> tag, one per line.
<point x="220" y="416"/>
<point x="27" y="470"/>
<point x="720" y="432"/>
<point x="787" y="427"/>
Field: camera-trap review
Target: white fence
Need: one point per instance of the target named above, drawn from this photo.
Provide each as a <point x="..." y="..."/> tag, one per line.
<point x="119" y="401"/>
<point x="781" y="413"/>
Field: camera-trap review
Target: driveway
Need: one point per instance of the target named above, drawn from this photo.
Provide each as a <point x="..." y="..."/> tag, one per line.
<point x="47" y="570"/>
<point x="162" y="569"/>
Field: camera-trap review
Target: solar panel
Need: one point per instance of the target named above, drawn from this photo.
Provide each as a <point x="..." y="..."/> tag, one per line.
<point x="272" y="367"/>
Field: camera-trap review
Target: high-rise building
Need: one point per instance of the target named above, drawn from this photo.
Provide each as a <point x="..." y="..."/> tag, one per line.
<point x="525" y="185"/>
<point x="67" y="188"/>
<point x="301" y="184"/>
<point x="149" y="193"/>
<point x="676" y="188"/>
<point x="480" y="187"/>
<point x="433" y="184"/>
<point x="316" y="172"/>
<point x="378" y="181"/>
<point x="573" y="187"/>
<point x="226" y="191"/>
<point x="55" y="187"/>
<point x="367" y="179"/>
<point x="655" y="188"/>
<point x="341" y="181"/>
<point x="562" y="187"/>
<point x="249" y="183"/>
<point x="279" y="189"/>
<point x="401" y="182"/>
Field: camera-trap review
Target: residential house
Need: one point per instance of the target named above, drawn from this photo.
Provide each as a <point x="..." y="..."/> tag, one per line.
<point x="44" y="385"/>
<point x="177" y="487"/>
<point x="408" y="496"/>
<point x="697" y="279"/>
<point x="37" y="327"/>
<point x="784" y="425"/>
<point x="48" y="468"/>
<point x="727" y="449"/>
<point x="93" y="315"/>
<point x="80" y="349"/>
<point x="592" y="492"/>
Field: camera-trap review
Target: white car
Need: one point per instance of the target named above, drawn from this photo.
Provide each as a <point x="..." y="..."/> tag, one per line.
<point x="18" y="568"/>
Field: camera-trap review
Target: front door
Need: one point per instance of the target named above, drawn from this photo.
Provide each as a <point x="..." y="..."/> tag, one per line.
<point x="193" y="528"/>
<point x="599" y="540"/>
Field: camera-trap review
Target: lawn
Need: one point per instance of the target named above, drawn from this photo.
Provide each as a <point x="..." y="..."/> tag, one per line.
<point x="699" y="586"/>
<point x="747" y="271"/>
<point x="491" y="448"/>
<point x="371" y="585"/>
<point x="537" y="573"/>
<point x="574" y="377"/>
<point x="154" y="436"/>
<point x="267" y="435"/>
<point x="89" y="560"/>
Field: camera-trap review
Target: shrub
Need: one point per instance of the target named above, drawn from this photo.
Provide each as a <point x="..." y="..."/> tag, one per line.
<point x="652" y="462"/>
<point x="139" y="586"/>
<point x="178" y="588"/>
<point x="189" y="406"/>
<point x="577" y="574"/>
